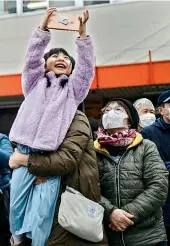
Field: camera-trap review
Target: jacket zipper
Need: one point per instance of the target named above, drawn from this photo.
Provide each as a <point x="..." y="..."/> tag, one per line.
<point x="118" y="186"/>
<point x="118" y="189"/>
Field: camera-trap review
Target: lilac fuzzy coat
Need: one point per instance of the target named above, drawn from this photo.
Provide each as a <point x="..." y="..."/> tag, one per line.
<point x="47" y="112"/>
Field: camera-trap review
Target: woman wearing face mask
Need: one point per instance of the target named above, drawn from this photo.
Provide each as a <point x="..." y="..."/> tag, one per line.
<point x="146" y="111"/>
<point x="133" y="179"/>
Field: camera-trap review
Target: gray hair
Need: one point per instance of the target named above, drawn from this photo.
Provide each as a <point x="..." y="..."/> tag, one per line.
<point x="143" y="101"/>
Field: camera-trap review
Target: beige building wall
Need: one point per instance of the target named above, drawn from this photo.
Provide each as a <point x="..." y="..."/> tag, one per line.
<point x="122" y="33"/>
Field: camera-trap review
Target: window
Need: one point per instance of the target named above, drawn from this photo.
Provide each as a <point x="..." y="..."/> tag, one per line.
<point x="7" y="7"/>
<point x="61" y="4"/>
<point x="86" y="3"/>
<point x="32" y="5"/>
<point x="22" y="6"/>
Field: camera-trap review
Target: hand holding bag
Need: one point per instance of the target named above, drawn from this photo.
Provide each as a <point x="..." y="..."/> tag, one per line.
<point x="81" y="216"/>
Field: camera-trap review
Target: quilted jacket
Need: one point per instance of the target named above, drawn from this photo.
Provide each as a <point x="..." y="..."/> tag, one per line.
<point x="138" y="184"/>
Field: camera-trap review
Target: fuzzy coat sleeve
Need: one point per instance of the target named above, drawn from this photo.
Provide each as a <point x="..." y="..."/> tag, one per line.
<point x="34" y="61"/>
<point x="82" y="76"/>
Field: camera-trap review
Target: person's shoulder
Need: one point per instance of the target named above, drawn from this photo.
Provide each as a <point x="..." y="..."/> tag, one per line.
<point x="148" y="142"/>
<point x="148" y="128"/>
<point x="80" y="123"/>
<point x="3" y="136"/>
<point x="80" y="116"/>
<point x="148" y="145"/>
<point x="80" y="113"/>
<point x="148" y="131"/>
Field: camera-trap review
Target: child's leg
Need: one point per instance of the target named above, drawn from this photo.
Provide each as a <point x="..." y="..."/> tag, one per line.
<point x="44" y="197"/>
<point x="21" y="185"/>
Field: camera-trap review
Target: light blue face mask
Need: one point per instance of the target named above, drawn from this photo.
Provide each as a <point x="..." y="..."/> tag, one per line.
<point x="114" y="119"/>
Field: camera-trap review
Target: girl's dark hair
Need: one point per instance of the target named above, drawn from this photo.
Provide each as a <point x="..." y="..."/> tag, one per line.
<point x="57" y="51"/>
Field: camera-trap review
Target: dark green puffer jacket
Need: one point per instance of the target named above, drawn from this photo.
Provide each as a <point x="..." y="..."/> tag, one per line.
<point x="138" y="185"/>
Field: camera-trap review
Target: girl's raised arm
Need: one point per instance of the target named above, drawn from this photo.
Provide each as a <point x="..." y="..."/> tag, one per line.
<point x="34" y="62"/>
<point x="83" y="73"/>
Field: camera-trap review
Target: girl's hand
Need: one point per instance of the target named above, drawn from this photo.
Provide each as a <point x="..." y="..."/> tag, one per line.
<point x="82" y="27"/>
<point x="47" y="15"/>
<point x="17" y="160"/>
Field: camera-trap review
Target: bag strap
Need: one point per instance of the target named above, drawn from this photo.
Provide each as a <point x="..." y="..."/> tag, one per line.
<point x="72" y="190"/>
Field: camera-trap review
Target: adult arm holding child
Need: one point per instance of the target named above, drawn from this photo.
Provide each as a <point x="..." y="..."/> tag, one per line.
<point x="62" y="162"/>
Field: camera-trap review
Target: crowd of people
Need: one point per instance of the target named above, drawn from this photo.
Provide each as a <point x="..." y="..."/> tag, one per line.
<point x="120" y="163"/>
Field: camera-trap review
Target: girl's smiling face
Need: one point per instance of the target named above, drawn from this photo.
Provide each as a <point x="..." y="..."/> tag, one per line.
<point x="59" y="64"/>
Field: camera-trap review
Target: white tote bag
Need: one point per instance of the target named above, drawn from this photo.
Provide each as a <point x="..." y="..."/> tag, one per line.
<point x="81" y="216"/>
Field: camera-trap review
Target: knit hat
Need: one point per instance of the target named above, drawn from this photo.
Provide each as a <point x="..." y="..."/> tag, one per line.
<point x="163" y="98"/>
<point x="131" y="111"/>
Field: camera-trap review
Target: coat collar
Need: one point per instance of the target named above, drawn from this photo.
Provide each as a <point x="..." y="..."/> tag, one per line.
<point x="136" y="142"/>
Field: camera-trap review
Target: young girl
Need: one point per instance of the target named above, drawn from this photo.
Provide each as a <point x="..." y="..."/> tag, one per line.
<point x="53" y="89"/>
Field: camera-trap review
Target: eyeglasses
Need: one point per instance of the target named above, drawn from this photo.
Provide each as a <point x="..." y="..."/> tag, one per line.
<point x="116" y="109"/>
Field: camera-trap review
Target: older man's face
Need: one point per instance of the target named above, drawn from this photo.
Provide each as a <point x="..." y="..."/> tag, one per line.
<point x="145" y="109"/>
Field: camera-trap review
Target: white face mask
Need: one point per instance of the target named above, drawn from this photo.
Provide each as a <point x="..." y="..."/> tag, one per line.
<point x="113" y="120"/>
<point x="147" y="119"/>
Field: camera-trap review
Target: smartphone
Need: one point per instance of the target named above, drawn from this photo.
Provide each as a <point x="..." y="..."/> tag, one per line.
<point x="61" y="21"/>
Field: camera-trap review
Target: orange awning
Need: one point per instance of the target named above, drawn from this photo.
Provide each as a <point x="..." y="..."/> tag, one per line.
<point x="140" y="74"/>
